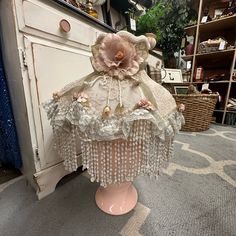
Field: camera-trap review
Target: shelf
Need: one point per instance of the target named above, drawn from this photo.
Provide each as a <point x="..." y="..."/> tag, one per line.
<point x="187" y="58"/>
<point x="220" y="53"/>
<point x="217" y="58"/>
<point x="188" y="73"/>
<point x="209" y="82"/>
<point x="190" y="30"/>
<point x="233" y="111"/>
<point x="84" y="15"/>
<point x="218" y="25"/>
<point x="217" y="62"/>
<point x="219" y="82"/>
<point x="198" y="82"/>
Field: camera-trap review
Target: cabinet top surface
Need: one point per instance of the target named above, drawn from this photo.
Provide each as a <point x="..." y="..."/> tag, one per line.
<point x="84" y="15"/>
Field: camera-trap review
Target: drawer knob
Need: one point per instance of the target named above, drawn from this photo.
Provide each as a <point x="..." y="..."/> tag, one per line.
<point x="65" y="26"/>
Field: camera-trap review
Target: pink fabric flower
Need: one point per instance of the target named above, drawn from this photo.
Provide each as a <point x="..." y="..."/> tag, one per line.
<point x="116" y="56"/>
<point x="181" y="107"/>
<point x="56" y="95"/>
<point x="80" y="97"/>
<point x="146" y="105"/>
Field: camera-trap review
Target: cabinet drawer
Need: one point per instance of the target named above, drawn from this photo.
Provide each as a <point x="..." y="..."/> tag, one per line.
<point x="46" y="19"/>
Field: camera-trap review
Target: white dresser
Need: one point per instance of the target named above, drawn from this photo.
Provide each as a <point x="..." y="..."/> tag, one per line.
<point x="40" y="58"/>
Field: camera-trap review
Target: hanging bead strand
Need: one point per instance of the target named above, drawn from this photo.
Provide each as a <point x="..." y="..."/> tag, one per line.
<point x="115" y="161"/>
<point x="96" y="159"/>
<point x="109" y="158"/>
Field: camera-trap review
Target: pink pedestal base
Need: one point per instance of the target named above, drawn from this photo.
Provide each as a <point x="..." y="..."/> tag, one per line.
<point x="117" y="199"/>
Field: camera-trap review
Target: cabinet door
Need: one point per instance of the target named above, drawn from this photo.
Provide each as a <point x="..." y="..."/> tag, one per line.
<point x="50" y="66"/>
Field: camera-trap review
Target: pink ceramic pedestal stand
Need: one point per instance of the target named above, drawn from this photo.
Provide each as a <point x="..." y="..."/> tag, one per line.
<point x="117" y="199"/>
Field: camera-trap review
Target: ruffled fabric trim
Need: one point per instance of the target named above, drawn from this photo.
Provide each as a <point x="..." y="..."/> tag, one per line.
<point x="94" y="127"/>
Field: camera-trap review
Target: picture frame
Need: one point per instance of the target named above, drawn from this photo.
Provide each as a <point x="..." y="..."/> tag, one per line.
<point x="171" y="75"/>
<point x="180" y="89"/>
<point x="218" y="12"/>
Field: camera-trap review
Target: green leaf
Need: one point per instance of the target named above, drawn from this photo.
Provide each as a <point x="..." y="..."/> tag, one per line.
<point x="167" y="20"/>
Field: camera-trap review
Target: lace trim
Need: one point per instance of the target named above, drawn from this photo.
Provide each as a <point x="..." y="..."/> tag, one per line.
<point x="94" y="127"/>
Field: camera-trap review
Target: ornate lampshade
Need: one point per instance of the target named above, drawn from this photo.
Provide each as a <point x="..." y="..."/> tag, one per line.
<point x="124" y="120"/>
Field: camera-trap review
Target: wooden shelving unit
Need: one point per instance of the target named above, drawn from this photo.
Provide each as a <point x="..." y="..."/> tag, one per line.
<point x="190" y="29"/>
<point x="212" y="82"/>
<point x="218" y="25"/>
<point x="187" y="58"/>
<point x="220" y="54"/>
<point x="218" y="62"/>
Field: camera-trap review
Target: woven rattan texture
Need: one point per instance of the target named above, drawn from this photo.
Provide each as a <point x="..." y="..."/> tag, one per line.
<point x="198" y="110"/>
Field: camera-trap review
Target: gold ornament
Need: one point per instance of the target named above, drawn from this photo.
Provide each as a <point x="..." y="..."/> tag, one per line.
<point x="106" y="112"/>
<point x="56" y="96"/>
<point x="90" y="10"/>
<point x="119" y="109"/>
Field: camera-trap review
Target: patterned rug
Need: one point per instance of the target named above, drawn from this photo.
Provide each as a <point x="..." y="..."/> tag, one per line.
<point x="195" y="196"/>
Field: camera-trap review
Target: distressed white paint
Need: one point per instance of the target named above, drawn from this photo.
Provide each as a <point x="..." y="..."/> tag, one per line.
<point x="53" y="59"/>
<point x="47" y="77"/>
<point x="36" y="16"/>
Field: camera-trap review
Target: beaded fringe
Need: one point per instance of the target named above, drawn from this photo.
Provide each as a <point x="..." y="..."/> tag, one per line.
<point x="119" y="160"/>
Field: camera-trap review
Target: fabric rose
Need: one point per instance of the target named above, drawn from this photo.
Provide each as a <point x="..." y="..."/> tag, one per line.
<point x="115" y="55"/>
<point x="56" y="96"/>
<point x="143" y="103"/>
<point x="181" y="107"/>
<point x="80" y="97"/>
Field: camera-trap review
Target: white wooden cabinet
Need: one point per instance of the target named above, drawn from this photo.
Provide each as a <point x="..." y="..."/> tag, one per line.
<point x="39" y="59"/>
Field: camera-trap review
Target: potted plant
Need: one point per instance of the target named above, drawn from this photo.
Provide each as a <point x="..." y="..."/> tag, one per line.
<point x="167" y="19"/>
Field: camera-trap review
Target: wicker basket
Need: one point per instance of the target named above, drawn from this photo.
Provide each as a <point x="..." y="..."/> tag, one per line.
<point x="198" y="110"/>
<point x="212" y="45"/>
